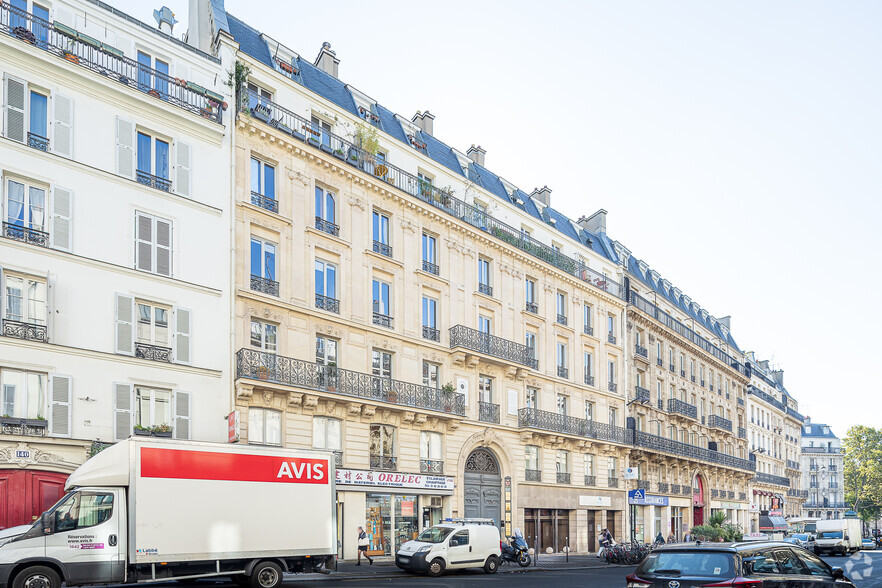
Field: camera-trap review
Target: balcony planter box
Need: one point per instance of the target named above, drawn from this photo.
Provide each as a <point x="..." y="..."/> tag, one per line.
<point x="326" y="148"/>
<point x="214" y="96"/>
<point x="296" y="134"/>
<point x="64" y="29"/>
<point x="17" y="421"/>
<point x="197" y="88"/>
<point x="313" y="141"/>
<point x="163" y="434"/>
<point x="338" y="153"/>
<point x="112" y="51"/>
<point x="89" y="40"/>
<point x="25" y="35"/>
<point x="141" y="432"/>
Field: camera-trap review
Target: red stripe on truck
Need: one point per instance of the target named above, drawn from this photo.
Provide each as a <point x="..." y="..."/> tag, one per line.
<point x="209" y="465"/>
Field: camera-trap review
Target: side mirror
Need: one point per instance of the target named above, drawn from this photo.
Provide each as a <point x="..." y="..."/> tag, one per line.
<point x="838" y="573"/>
<point x="46" y="523"/>
<point x="846" y="537"/>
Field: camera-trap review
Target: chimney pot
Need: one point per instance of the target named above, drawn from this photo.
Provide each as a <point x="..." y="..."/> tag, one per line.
<point x="543" y="195"/>
<point x="476" y="154"/>
<point x="425" y="121"/>
<point x="327" y="60"/>
<point x="596" y="223"/>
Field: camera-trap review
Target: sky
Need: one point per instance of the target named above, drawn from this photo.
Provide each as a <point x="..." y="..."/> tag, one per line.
<point x="735" y="144"/>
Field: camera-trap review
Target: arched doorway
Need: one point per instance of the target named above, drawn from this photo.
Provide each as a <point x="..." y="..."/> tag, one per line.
<point x="697" y="501"/>
<point x="483" y="486"/>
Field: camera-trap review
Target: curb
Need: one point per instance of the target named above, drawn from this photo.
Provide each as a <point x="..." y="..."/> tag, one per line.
<point x="400" y="575"/>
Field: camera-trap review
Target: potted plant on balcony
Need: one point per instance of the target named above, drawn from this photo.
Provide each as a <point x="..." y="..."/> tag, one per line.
<point x="143" y="431"/>
<point x="163" y="430"/>
<point x="25" y="35"/>
<point x="448" y="388"/>
<point x="262" y="373"/>
<point x="338" y="153"/>
<point x="331" y="373"/>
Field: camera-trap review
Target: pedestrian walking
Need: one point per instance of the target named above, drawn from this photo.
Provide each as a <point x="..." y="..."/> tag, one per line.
<point x="687" y="537"/>
<point x="363" y="543"/>
<point x="671" y="537"/>
<point x="659" y="539"/>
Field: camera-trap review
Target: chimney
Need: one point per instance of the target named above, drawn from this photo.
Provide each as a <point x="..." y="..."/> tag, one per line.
<point x="807" y="421"/>
<point x="425" y="121"/>
<point x="778" y="376"/>
<point x="596" y="223"/>
<point x="165" y="19"/>
<point x="476" y="154"/>
<point x="543" y="195"/>
<point x="199" y="25"/>
<point x="726" y="321"/>
<point x="764" y="364"/>
<point x="327" y="60"/>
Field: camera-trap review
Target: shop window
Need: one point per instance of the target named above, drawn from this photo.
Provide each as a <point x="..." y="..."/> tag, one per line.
<point x="547" y="528"/>
<point x="391" y="520"/>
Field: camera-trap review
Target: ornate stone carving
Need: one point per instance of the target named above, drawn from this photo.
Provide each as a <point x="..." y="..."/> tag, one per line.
<point x="356" y="201"/>
<point x="481" y="461"/>
<point x="295" y="399"/>
<point x="22" y="455"/>
<point x="244" y="391"/>
<point x="408" y="225"/>
<point x="268" y="397"/>
<point x="353" y="409"/>
<point x="408" y="417"/>
<point x="368" y="410"/>
<point x="310" y="402"/>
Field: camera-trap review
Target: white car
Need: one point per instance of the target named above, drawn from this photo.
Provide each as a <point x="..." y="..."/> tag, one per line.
<point x="469" y="543"/>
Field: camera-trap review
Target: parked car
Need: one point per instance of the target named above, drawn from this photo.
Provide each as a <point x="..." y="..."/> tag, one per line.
<point x="458" y="544"/>
<point x="868" y="543"/>
<point x="770" y="564"/>
<point x="804" y="540"/>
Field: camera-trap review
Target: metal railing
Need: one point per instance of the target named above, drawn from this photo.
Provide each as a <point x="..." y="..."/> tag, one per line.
<point x="327" y="303"/>
<point x="327" y="226"/>
<point x="563" y="372"/>
<point x="643" y="484"/>
<point x="681" y="449"/>
<point x="153" y="352"/>
<point x="38" y="142"/>
<point x="264" y="285"/>
<point x="430" y="267"/>
<point x="431" y="333"/>
<point x="387" y="463"/>
<point x="612" y="386"/>
<point x="532" y="418"/>
<point x="684" y="408"/>
<point x="382" y="320"/>
<point x="26" y="234"/>
<point x="152" y="181"/>
<point x="831" y="505"/>
<point x="718" y="422"/>
<point x="730" y="495"/>
<point x="474" y="340"/>
<point x="675" y="488"/>
<point x="532" y="307"/>
<point x="488" y="412"/>
<point x="612" y="482"/>
<point x="797" y="493"/>
<point x="821" y="450"/>
<point x="589" y="379"/>
<point x="297" y="126"/>
<point x="260" y="365"/>
<point x="562" y="319"/>
<point x="265" y="202"/>
<point x="764" y="478"/>
<point x="742" y="433"/>
<point x="26" y="331"/>
<point x="485" y="289"/>
<point x="383" y="249"/>
<point x="85" y="51"/>
<point x="641" y="394"/>
<point x="641" y="351"/>
<point x="740" y="401"/>
<point x="563" y="477"/>
<point x="431" y="466"/>
<point x="23" y="427"/>
<point x="659" y="362"/>
<point x="795" y="414"/>
<point x="588" y="330"/>
<point x="533" y="475"/>
<point x="742" y="496"/>
<point x="663" y="487"/>
<point x="766" y="397"/>
<point x="611" y="338"/>
<point x="590" y="480"/>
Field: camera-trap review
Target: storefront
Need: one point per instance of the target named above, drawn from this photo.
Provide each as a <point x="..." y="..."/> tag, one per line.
<point x="646" y="515"/>
<point x="391" y="507"/>
<point x="549" y="527"/>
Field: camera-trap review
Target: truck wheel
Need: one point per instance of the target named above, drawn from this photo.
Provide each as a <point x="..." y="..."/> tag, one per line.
<point x="436" y="567"/>
<point x="37" y="577"/>
<point x="266" y="574"/>
<point x="492" y="565"/>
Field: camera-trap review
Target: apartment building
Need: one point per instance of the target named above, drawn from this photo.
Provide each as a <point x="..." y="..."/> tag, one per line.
<point x="821" y="465"/>
<point x="115" y="300"/>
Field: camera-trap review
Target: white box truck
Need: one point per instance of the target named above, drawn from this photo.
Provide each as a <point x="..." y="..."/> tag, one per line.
<point x="151" y="510"/>
<point x="838" y="536"/>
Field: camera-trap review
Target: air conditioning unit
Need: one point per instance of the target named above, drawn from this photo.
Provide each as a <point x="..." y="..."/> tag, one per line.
<point x="435" y="502"/>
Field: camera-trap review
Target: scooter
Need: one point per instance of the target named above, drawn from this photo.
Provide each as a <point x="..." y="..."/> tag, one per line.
<point x="516" y="550"/>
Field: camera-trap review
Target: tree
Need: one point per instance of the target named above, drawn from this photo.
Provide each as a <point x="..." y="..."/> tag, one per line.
<point x="862" y="469"/>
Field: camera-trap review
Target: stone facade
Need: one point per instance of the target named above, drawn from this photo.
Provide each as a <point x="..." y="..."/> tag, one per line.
<point x="822" y="475"/>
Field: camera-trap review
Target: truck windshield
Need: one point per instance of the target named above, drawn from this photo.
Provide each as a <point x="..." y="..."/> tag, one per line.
<point x="831" y="535"/>
<point x="434" y="534"/>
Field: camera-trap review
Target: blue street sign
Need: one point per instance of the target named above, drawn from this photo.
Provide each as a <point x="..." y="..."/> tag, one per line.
<point x="639" y="497"/>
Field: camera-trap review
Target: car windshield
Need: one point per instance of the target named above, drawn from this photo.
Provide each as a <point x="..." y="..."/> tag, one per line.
<point x="801" y="537"/>
<point x="434" y="534"/>
<point x="712" y="564"/>
<point x="831" y="535"/>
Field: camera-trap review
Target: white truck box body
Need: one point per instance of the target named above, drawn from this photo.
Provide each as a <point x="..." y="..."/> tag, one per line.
<point x="850" y="528"/>
<point x="190" y="501"/>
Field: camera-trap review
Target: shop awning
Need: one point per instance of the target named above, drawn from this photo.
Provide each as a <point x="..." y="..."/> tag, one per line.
<point x="767" y="523"/>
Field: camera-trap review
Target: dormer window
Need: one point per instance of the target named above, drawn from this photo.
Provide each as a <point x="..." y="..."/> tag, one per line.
<point x="287" y="68"/>
<point x="368" y="115"/>
<point x="417" y="144"/>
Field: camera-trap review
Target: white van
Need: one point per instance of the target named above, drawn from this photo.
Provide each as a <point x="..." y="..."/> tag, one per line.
<point x="453" y="545"/>
<point x="838" y="536"/>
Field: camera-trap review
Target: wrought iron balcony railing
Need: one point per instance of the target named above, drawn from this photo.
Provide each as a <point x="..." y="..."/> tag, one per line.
<point x="383" y="320"/>
<point x="431" y="333"/>
<point x="660" y="362"/>
<point x="641" y="394"/>
<point x="85" y="51"/>
<point x="612" y="386"/>
<point x="766" y="397"/>
<point x="264" y="285"/>
<point x="794" y="414"/>
<point x="730" y="495"/>
<point x="672" y="368"/>
<point x="531" y="418"/>
<point x="485" y="289"/>
<point x="37" y="142"/>
<point x="663" y="444"/>
<point x="742" y="496"/>
<point x="718" y="422"/>
<point x="533" y="475"/>
<point x="589" y="379"/>
<point x="26" y="331"/>
<point x="770" y="479"/>
<point x="297" y="126"/>
<point x="152" y="181"/>
<point x="532" y="307"/>
<point x="742" y="433"/>
<point x="431" y="466"/>
<point x="327" y="226"/>
<point x="563" y="477"/>
<point x="612" y="482"/>
<point x="641" y="351"/>
<point x="678" y="406"/>
<point x="563" y="372"/>
<point x="383" y="248"/>
<point x="23" y="427"/>
<point x="562" y="319"/>
<point x="715" y="493"/>
<point x="387" y="463"/>
<point x="702" y="384"/>
<point x="643" y="484"/>
<point x="488" y="412"/>
<point x="26" y="234"/>
<point x="663" y="488"/>
<point x="430" y="267"/>
<point x="327" y="303"/>
<point x="474" y="340"/>
<point x="590" y="480"/>
<point x="588" y="330"/>
<point x="797" y="493"/>
<point x="831" y="505"/>
<point x="153" y="352"/>
<point x="682" y="373"/>
<point x="260" y="365"/>
<point x="821" y="450"/>
<point x="675" y="488"/>
<point x="740" y="401"/>
<point x="265" y="202"/>
<point x="611" y="338"/>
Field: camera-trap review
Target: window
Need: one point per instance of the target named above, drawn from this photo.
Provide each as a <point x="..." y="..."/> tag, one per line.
<point x="588" y="323"/>
<point x="530" y="342"/>
<point x="263" y="336"/>
<point x="259" y="100"/>
<point x="25" y="302"/>
<point x="38" y="127"/>
<point x="321" y="130"/>
<point x="153" y="244"/>
<point x="611" y="374"/>
<point x="562" y="461"/>
<point x="562" y="404"/>
<point x="381" y="364"/>
<point x="153" y="161"/>
<point x="25" y="212"/>
<point x="613" y="417"/>
<point x="426" y="182"/>
<point x="612" y="465"/>
<point x="264" y="427"/>
<point x="430" y="326"/>
<point x="430" y="446"/>
<point x="326" y="211"/>
<point x="327" y="433"/>
<point x="460" y="538"/>
<point x="531" y="457"/>
<point x="152" y="81"/>
<point x="531" y="397"/>
<point x="562" y="360"/>
<point x="430" y="255"/>
<point x="530" y="295"/>
<point x="152" y="407"/>
<point x="588" y="359"/>
<point x="23" y="394"/>
<point x="263" y="185"/>
<point x="382" y="447"/>
<point x="263" y="267"/>
<point x="382" y="311"/>
<point x="326" y="351"/>
<point x="589" y="464"/>
<point x="561" y="308"/>
<point x="611" y="325"/>
<point x="589" y="410"/>
<point x="485" y="324"/>
<point x="37" y="25"/>
<point x="431" y="373"/>
<point x="152" y="326"/>
<point x="484" y="285"/>
<point x="658" y="352"/>
<point x="485" y="389"/>
<point x="83" y="509"/>
<point x="381" y="234"/>
<point x="326" y="286"/>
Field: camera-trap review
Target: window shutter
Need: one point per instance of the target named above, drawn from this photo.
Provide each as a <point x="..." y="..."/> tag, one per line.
<point x="59" y="409"/>
<point x="125" y="321"/>
<point x="62" y="127"/>
<point x="122" y="408"/>
<point x="14" y="109"/>
<point x="163" y="247"/>
<point x="182" y="415"/>
<point x="143" y="242"/>
<point x="182" y="168"/>
<point x="125" y="148"/>
<point x="183" y="329"/>
<point x="62" y="213"/>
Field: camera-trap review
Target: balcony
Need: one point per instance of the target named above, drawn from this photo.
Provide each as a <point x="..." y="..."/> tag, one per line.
<point x="692" y="378"/>
<point x="590" y="480"/>
<point x="388" y="463"/>
<point x="830" y="505"/>
<point x="663" y="488"/>
<point x="533" y="475"/>
<point x="563" y="477"/>
<point x="77" y="48"/>
<point x="643" y="484"/>
<point x="23" y="427"/>
<point x="431" y="333"/>
<point x="287" y="371"/>
<point x="792" y="465"/>
<point x="702" y="384"/>
<point x="265" y="202"/>
<point x="740" y="401"/>
<point x="485" y="289"/>
<point x="531" y="418"/>
<point x="833" y="450"/>
<point x="672" y="368"/>
<point x="766" y="397"/>
<point x="718" y="422"/>
<point x="663" y="444"/>
<point x="264" y="285"/>
<point x="487" y="344"/>
<point x="152" y="181"/>
<point x="26" y="234"/>
<point x="562" y="319"/>
<point x="612" y="386"/>
<point x="641" y="395"/>
<point x="382" y="320"/>
<point x="730" y="495"/>
<point x="563" y="372"/>
<point x="659" y="362"/>
<point x="831" y="469"/>
<point x="37" y="142"/>
<point x="153" y="352"/>
<point x="612" y="482"/>
<point x="763" y="478"/>
<point x="742" y="496"/>
<point x="488" y="412"/>
<point x="611" y="338"/>
<point x="641" y="352"/>
<point x="814" y="485"/>
<point x="676" y="405"/>
<point x="792" y="413"/>
<point x="742" y="433"/>
<point x="26" y="331"/>
<point x="430" y="268"/>
<point x="589" y="380"/>
<point x="682" y="373"/>
<point x="431" y="466"/>
<point x="532" y="307"/>
<point x="327" y="303"/>
<point x="715" y="493"/>
<point x="327" y="226"/>
<point x="797" y="493"/>
<point x="675" y="488"/>
<point x="588" y="330"/>
<point x="383" y="249"/>
<point x="833" y="485"/>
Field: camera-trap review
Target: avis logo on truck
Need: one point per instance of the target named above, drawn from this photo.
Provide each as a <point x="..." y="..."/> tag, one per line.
<point x="300" y="469"/>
